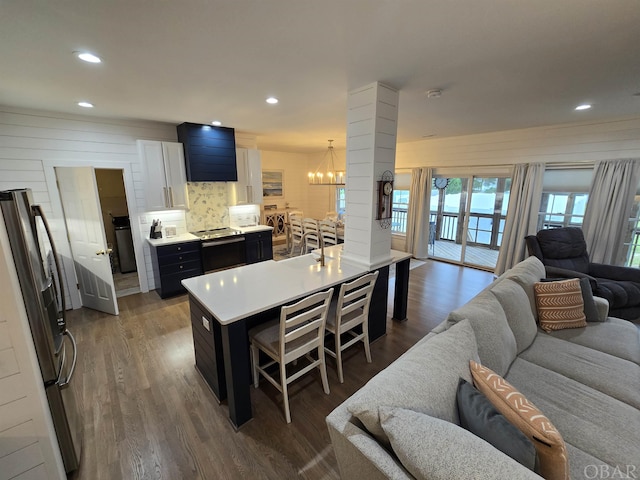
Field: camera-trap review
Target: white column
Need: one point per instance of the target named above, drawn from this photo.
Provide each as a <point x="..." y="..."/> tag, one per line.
<point x="372" y="125"/>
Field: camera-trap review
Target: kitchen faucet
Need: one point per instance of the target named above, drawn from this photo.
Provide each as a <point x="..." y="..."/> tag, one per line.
<point x="320" y="240"/>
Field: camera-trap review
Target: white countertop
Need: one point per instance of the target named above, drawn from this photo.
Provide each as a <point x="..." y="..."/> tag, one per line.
<point x="243" y="291"/>
<point x="185" y="237"/>
<point x="254" y="228"/>
<point x="189" y="237"/>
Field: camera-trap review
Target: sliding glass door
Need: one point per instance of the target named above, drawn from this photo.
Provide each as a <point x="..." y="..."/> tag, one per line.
<point x="468" y="215"/>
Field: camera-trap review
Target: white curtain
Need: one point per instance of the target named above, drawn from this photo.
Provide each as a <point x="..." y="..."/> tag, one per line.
<point x="418" y="212"/>
<point x="522" y="214"/>
<point x="614" y="185"/>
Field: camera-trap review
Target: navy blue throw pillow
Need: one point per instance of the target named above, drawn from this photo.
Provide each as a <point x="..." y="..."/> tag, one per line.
<point x="480" y="417"/>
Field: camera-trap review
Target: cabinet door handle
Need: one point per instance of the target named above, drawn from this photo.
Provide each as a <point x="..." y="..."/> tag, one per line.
<point x="171" y="196"/>
<point x="250" y="194"/>
<point x="166" y="197"/>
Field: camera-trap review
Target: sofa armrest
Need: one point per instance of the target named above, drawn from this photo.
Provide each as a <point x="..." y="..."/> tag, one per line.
<point x="557" y="272"/>
<point x="602" y="305"/>
<point x="359" y="455"/>
<point x="614" y="272"/>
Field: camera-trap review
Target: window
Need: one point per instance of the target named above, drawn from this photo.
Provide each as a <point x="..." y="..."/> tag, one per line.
<point x="399" y="207"/>
<point x="562" y="210"/>
<point x="633" y="237"/>
<point x="341" y="200"/>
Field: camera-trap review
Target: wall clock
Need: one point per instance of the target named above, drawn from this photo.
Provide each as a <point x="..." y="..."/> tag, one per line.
<point x="385" y="189"/>
<point x="441" y="182"/>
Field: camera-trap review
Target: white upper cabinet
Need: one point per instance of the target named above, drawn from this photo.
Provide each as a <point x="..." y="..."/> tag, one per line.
<point x="248" y="189"/>
<point x="164" y="174"/>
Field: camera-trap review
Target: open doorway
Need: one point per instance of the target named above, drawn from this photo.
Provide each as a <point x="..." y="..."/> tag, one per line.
<point x="115" y="217"/>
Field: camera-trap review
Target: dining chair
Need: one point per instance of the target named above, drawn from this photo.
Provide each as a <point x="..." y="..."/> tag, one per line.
<point x="329" y="232"/>
<point x="310" y="229"/>
<point x="296" y="334"/>
<point x="295" y="225"/>
<point x="351" y="310"/>
<point x="295" y="213"/>
<point x="333" y="215"/>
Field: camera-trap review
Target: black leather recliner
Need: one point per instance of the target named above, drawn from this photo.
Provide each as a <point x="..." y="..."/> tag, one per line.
<point x="564" y="254"/>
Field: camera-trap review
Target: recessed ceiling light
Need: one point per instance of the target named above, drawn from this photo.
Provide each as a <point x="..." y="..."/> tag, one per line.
<point x="88" y="57"/>
<point x="584" y="106"/>
<point x="85" y="104"/>
<point x="216" y="123"/>
<point x="272" y="100"/>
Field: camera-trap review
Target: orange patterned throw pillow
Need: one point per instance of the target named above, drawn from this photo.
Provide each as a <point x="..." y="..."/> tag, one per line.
<point x="560" y="304"/>
<point x="551" y="449"/>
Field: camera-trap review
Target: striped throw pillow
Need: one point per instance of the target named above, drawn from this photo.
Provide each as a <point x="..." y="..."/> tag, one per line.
<point x="560" y="304"/>
<point x="551" y="449"/>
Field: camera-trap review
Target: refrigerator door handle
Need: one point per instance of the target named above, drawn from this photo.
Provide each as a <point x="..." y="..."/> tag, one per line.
<point x="65" y="383"/>
<point x="37" y="209"/>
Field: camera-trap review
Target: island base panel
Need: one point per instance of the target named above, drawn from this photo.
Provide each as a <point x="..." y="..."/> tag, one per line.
<point x="378" y="307"/>
<point x="401" y="290"/>
<point x="207" y="346"/>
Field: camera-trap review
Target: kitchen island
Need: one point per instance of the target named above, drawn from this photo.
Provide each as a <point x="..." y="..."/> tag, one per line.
<point x="226" y="305"/>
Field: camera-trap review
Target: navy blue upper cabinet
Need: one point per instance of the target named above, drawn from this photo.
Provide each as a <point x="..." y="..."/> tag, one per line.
<point x="209" y="152"/>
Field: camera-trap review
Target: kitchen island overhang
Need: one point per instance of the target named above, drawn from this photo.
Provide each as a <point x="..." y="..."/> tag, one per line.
<point x="225" y="305"/>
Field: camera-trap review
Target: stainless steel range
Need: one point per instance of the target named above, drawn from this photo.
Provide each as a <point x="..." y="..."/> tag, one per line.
<point x="221" y="248"/>
<point x="216" y="233"/>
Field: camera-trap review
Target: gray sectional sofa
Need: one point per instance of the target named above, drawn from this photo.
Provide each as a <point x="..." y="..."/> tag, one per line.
<point x="404" y="422"/>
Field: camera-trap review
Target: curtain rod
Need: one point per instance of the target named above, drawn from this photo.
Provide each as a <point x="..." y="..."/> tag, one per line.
<point x="548" y="166"/>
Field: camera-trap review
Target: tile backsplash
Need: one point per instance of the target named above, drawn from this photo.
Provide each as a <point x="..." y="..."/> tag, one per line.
<point x="207" y="206"/>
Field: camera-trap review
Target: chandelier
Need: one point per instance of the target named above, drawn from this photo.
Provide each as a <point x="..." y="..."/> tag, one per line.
<point x="326" y="173"/>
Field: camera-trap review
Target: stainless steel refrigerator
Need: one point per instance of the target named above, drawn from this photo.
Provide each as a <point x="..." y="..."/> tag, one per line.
<point x="40" y="278"/>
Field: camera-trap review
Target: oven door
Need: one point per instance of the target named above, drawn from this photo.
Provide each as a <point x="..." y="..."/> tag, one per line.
<point x="222" y="253"/>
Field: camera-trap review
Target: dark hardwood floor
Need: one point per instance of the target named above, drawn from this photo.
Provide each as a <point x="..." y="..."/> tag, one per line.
<point x="148" y="413"/>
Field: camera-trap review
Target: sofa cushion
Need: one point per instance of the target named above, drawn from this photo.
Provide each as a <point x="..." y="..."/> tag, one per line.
<point x="496" y="342"/>
<point x="552" y="452"/>
<point x="615" y="336"/>
<point x="560" y="305"/>
<point x="592" y="421"/>
<point x="515" y="304"/>
<point x="424" y="379"/>
<point x="525" y="274"/>
<point x="590" y="308"/>
<point x="431" y="448"/>
<point x="606" y="373"/>
<point x="479" y="416"/>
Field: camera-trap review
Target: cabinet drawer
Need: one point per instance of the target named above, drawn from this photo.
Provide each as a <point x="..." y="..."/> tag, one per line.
<point x="181" y="267"/>
<point x="179" y="258"/>
<point x="177" y="248"/>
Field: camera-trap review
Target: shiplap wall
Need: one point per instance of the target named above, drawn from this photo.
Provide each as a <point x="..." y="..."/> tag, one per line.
<point x="586" y="141"/>
<point x="28" y="446"/>
<point x="32" y="141"/>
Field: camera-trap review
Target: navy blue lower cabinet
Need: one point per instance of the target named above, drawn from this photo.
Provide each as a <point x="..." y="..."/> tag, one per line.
<point x="173" y="263"/>
<point x="259" y="246"/>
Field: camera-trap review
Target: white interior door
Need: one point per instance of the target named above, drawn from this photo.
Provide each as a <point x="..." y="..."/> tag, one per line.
<point x="81" y="204"/>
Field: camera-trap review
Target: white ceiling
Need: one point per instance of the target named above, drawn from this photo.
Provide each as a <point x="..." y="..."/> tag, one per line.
<point x="501" y="64"/>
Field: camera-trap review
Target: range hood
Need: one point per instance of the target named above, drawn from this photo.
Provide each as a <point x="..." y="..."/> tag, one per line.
<point x="209" y="152"/>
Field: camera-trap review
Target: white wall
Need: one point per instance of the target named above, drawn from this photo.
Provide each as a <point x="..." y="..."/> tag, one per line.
<point x="295" y="170"/>
<point x="568" y="143"/>
<point x="33" y="142"/>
